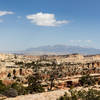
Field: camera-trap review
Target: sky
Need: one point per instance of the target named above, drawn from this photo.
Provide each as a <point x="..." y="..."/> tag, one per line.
<point x="32" y="23"/>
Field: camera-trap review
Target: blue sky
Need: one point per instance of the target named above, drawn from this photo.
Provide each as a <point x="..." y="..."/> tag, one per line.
<point x="33" y="23"/>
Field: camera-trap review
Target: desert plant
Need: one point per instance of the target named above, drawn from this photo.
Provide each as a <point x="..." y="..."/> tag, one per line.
<point x="2" y="87"/>
<point x="19" y="88"/>
<point x="87" y="80"/>
<point x="34" y="84"/>
<point x="11" y="92"/>
<point x="9" y="75"/>
<point x="91" y="94"/>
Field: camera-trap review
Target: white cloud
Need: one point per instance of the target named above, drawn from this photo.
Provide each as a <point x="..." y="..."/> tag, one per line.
<point x="72" y="41"/>
<point x="75" y="41"/>
<point x="2" y="13"/>
<point x="80" y="41"/>
<point x="45" y="19"/>
<point x="1" y="20"/>
<point x="88" y="41"/>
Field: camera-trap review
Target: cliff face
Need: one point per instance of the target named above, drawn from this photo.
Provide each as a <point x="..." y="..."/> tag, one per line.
<point x="41" y="96"/>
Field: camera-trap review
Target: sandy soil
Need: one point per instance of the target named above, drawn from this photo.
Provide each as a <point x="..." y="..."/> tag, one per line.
<point x="53" y="95"/>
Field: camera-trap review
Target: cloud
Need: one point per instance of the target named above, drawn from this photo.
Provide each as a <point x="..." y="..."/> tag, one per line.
<point x="88" y="41"/>
<point x="80" y="41"/>
<point x="2" y="13"/>
<point x="72" y="41"/>
<point x="45" y="19"/>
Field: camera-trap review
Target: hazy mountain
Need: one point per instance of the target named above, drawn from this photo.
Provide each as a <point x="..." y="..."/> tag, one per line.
<point x="61" y="49"/>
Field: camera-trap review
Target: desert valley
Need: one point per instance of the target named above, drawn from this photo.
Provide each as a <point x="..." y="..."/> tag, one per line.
<point x="26" y="74"/>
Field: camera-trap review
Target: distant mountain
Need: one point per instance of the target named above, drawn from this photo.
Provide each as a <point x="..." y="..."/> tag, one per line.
<point x="60" y="49"/>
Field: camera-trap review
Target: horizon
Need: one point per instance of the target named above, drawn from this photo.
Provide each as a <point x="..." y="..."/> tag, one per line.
<point x="34" y="23"/>
<point x="58" y="49"/>
<point x="5" y="51"/>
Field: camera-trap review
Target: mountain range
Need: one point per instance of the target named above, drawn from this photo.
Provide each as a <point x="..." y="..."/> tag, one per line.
<point x="60" y="50"/>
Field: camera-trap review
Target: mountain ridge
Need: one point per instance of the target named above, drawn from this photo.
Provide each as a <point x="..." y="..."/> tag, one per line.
<point x="61" y="49"/>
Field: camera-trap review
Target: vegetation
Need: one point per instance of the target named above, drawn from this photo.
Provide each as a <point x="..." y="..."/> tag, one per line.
<point x="91" y="94"/>
<point x="7" y="90"/>
<point x="53" y="76"/>
<point x="20" y="71"/>
<point x="2" y="87"/>
<point x="14" y="72"/>
<point x="11" y="92"/>
<point x="87" y="80"/>
<point x="34" y="84"/>
<point x="9" y="75"/>
<point x="19" y="88"/>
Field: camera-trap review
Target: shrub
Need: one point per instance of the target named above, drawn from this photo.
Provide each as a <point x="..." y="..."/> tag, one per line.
<point x="11" y="92"/>
<point x="87" y="80"/>
<point x="19" y="88"/>
<point x="91" y="94"/>
<point x="2" y="87"/>
<point x="34" y="84"/>
<point x="15" y="89"/>
<point x="9" y="75"/>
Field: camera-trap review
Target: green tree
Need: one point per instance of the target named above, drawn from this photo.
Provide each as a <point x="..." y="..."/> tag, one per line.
<point x="9" y="75"/>
<point x="53" y="75"/>
<point x="2" y="87"/>
<point x="14" y="72"/>
<point x="34" y="83"/>
<point x="20" y="88"/>
<point x="20" y="71"/>
<point x="87" y="80"/>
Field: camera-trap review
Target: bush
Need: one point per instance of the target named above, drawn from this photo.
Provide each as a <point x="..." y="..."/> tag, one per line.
<point x="34" y="84"/>
<point x="19" y="88"/>
<point x="11" y="92"/>
<point x="91" y="94"/>
<point x="3" y="87"/>
<point x="65" y="97"/>
<point x="9" y="75"/>
<point x="16" y="88"/>
<point x="87" y="80"/>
